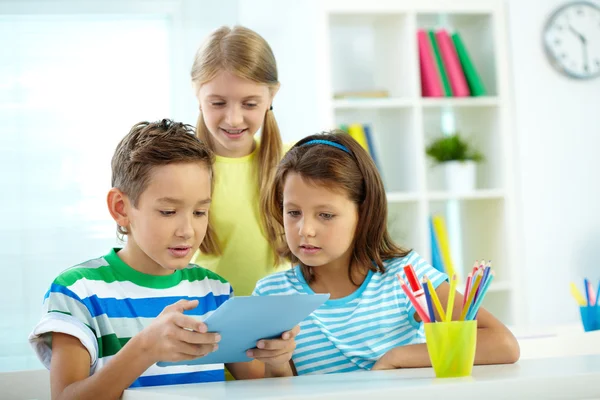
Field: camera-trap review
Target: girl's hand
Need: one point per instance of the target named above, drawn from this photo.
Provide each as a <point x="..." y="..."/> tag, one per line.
<point x="173" y="336"/>
<point x="276" y="352"/>
<point x="386" y="361"/>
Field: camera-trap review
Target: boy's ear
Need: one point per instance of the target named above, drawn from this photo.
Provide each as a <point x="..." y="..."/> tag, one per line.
<point x="117" y="206"/>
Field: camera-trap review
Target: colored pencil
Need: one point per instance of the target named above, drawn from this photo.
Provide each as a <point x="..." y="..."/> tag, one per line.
<point x="413" y="300"/>
<point x="472" y="292"/>
<point x="577" y="295"/>
<point x="428" y="301"/>
<point x="451" y="294"/>
<point x="473" y="312"/>
<point x="436" y="300"/>
<point x="486" y="272"/>
<point x="411" y="277"/>
<point x="467" y="286"/>
<point x="591" y="291"/>
<point x="586" y="287"/>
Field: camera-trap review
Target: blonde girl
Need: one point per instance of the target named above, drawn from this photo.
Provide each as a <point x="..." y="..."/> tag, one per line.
<point x="235" y="79"/>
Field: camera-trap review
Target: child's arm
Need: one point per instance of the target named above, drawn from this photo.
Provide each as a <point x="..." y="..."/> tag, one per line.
<point x="166" y="339"/>
<point x="70" y="370"/>
<point x="495" y="342"/>
<point x="271" y="358"/>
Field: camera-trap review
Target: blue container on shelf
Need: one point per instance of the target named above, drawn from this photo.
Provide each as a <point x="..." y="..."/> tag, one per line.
<point x="590" y="317"/>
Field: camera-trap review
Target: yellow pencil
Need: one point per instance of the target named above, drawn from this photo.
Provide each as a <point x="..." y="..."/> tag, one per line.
<point x="435" y="299"/>
<point x="450" y="305"/>
<point x="577" y="295"/>
<point x="472" y="292"/>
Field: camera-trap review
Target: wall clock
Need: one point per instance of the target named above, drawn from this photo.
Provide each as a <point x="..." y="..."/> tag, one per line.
<point x="571" y="39"/>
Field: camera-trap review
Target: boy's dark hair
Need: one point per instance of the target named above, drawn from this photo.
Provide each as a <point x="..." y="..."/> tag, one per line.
<point x="354" y="174"/>
<point x="152" y="144"/>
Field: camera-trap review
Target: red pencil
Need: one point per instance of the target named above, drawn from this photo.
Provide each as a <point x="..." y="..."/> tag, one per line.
<point x="467" y="287"/>
<point x="413" y="300"/>
<point x="411" y="276"/>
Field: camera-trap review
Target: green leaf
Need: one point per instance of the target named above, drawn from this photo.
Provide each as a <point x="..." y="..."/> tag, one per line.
<point x="452" y="148"/>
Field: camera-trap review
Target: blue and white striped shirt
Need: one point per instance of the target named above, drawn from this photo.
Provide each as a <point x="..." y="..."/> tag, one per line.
<point x="353" y="332"/>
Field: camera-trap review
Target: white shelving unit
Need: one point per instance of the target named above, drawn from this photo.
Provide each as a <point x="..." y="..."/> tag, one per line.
<point x="372" y="45"/>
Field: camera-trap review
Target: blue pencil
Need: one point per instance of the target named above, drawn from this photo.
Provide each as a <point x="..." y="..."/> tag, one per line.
<point x="486" y="273"/>
<point x="587" y="291"/>
<point x="473" y="312"/>
<point x="597" y="294"/>
<point x="428" y="300"/>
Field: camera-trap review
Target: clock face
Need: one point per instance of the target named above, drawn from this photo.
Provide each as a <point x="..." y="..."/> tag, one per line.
<point x="572" y="39"/>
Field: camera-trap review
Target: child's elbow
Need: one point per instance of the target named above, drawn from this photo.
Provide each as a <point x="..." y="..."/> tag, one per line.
<point x="511" y="349"/>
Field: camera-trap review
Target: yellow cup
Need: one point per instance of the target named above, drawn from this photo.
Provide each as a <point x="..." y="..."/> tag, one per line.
<point x="451" y="347"/>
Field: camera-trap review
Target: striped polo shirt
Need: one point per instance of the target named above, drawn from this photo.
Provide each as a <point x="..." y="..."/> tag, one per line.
<point x="352" y="333"/>
<point x="104" y="302"/>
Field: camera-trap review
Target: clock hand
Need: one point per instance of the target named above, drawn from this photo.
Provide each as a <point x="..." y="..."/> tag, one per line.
<point x="584" y="45"/>
<point x="585" y="56"/>
<point x="579" y="35"/>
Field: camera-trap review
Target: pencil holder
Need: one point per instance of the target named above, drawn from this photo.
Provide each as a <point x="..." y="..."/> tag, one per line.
<point x="451" y="347"/>
<point x="590" y="317"/>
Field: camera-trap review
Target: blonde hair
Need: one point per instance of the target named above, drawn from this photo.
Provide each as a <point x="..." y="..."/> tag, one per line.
<point x="246" y="54"/>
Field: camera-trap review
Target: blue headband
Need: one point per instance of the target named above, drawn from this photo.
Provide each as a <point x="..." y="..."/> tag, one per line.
<point x="328" y="143"/>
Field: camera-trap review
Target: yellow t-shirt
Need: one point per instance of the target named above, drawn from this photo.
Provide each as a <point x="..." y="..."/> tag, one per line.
<point x="246" y="255"/>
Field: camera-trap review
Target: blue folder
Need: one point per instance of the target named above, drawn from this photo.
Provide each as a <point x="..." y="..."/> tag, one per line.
<point x="243" y="321"/>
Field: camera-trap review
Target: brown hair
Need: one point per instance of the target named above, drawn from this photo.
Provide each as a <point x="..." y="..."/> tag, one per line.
<point x="353" y="173"/>
<point x="246" y="54"/>
<point x="152" y="144"/>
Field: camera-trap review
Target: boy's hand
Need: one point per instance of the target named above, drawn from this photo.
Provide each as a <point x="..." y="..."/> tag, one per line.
<point x="276" y="352"/>
<point x="173" y="336"/>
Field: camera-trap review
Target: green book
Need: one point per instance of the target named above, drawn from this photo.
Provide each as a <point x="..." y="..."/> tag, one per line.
<point x="473" y="78"/>
<point x="440" y="64"/>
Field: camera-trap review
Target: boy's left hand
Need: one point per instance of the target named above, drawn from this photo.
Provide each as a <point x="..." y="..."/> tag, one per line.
<point x="275" y="352"/>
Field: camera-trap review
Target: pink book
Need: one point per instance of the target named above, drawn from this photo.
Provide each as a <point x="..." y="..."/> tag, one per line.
<point x="458" y="82"/>
<point x="431" y="85"/>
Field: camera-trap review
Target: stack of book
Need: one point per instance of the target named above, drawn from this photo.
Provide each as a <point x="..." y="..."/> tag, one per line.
<point x="446" y="67"/>
<point x="363" y="135"/>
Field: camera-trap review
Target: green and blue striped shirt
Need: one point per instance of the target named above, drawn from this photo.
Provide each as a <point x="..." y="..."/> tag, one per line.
<point x="104" y="303"/>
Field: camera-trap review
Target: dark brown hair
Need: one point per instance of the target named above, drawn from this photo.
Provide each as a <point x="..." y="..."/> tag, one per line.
<point x="152" y="144"/>
<point x="244" y="53"/>
<point x="353" y="173"/>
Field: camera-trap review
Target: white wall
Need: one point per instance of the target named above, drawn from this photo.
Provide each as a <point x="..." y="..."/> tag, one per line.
<point x="288" y="27"/>
<point x="558" y="137"/>
<point x="199" y="18"/>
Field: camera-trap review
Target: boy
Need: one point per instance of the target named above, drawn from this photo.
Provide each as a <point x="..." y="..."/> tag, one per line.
<point x="109" y="320"/>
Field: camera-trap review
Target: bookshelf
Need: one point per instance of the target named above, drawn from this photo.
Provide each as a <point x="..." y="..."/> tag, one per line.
<point x="372" y="46"/>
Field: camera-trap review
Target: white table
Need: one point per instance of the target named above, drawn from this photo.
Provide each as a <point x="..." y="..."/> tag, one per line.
<point x="573" y="377"/>
<point x="559" y="343"/>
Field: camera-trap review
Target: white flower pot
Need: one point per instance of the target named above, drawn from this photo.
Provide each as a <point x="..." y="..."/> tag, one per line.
<point x="459" y="176"/>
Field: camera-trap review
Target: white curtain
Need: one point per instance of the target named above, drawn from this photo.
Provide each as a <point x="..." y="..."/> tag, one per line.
<point x="70" y="88"/>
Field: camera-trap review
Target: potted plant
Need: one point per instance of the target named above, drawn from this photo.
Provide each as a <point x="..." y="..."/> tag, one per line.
<point x="458" y="159"/>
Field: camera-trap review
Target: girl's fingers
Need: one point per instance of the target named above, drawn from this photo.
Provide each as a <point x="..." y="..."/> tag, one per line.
<point x="291" y="333"/>
<point x="273" y="344"/>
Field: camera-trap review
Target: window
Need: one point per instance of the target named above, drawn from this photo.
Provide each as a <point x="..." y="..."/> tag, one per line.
<point x="70" y="88"/>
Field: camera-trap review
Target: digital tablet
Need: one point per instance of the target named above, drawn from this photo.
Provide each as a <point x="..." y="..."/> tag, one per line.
<point x="243" y="321"/>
